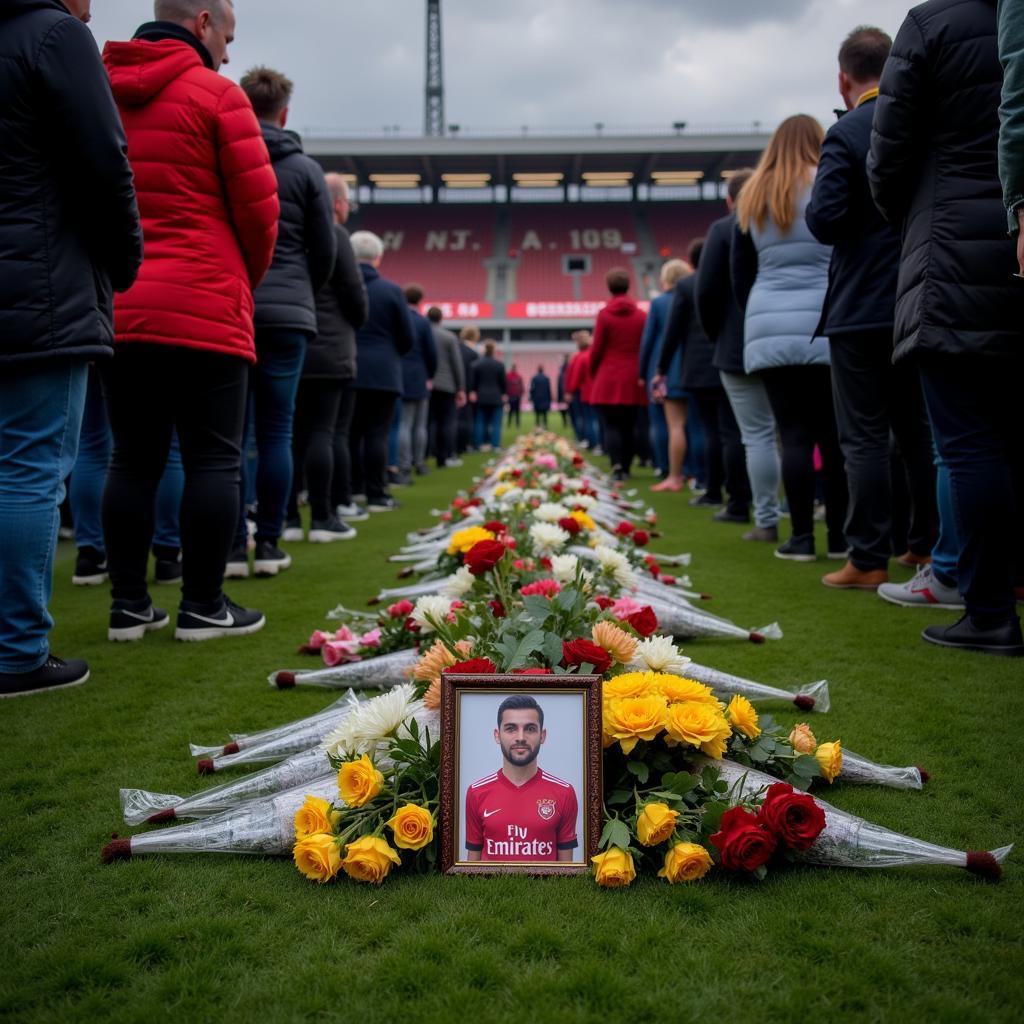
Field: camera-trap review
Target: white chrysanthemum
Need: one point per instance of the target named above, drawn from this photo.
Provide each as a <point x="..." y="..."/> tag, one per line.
<point x="547" y="538"/>
<point x="585" y="500"/>
<point x="573" y="483"/>
<point x="659" y="654"/>
<point x="429" y="609"/>
<point x="550" y="512"/>
<point x="372" y="721"/>
<point x="563" y="568"/>
<point x="511" y="496"/>
<point x="534" y="494"/>
<point x="549" y="480"/>
<point x="459" y="583"/>
<point x="615" y="564"/>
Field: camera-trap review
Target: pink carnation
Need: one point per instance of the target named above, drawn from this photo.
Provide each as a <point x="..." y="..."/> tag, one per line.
<point x="371" y="639"/>
<point x="624" y="607"/>
<point x="344" y="633"/>
<point x="547" y="588"/>
<point x="336" y="652"/>
<point x="317" y="639"/>
<point x="547" y="461"/>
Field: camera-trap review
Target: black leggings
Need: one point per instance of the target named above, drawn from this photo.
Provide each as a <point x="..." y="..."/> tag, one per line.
<point x="726" y="456"/>
<point x="316" y="413"/>
<point x="151" y="390"/>
<point x="619" y="422"/>
<point x="368" y="442"/>
<point x="801" y="399"/>
<point x="341" y="479"/>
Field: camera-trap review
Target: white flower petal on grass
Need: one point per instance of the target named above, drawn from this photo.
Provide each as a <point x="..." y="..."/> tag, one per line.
<point x="550" y="512"/>
<point x="373" y="721"/>
<point x="430" y="609"/>
<point x="547" y="538"/>
<point x="563" y="568"/>
<point x="459" y="583"/>
<point x="660" y="654"/>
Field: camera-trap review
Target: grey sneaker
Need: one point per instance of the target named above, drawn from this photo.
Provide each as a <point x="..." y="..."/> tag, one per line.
<point x="923" y="591"/>
<point x="769" y="534"/>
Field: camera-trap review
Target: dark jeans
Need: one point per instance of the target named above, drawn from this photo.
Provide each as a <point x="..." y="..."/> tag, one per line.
<point x="316" y="413"/>
<point x="513" y="411"/>
<point x="368" y="442"/>
<point x="273" y="383"/>
<point x="464" y="418"/>
<point x="619" y="423"/>
<point x="541" y="417"/>
<point x="726" y="456"/>
<point x="801" y="399"/>
<point x="974" y="407"/>
<point x="871" y="398"/>
<point x="442" y="424"/>
<point x="150" y="391"/>
<point x="341" y="481"/>
<point x="488" y="425"/>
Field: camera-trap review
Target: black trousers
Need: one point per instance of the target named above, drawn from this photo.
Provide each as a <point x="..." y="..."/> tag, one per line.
<point x="513" y="411"/>
<point x="541" y="416"/>
<point x="442" y="425"/>
<point x="619" y="422"/>
<point x="974" y="407"/>
<point x="341" y="479"/>
<point x="316" y="413"/>
<point x="873" y="398"/>
<point x="726" y="457"/>
<point x="151" y="390"/>
<point x="465" y="420"/>
<point x="801" y="399"/>
<point x="368" y="442"/>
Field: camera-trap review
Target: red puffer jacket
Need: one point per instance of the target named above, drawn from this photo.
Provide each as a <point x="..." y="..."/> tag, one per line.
<point x="207" y="195"/>
<point x="615" y="354"/>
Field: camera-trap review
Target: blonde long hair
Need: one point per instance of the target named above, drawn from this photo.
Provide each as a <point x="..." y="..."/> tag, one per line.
<point x="785" y="167"/>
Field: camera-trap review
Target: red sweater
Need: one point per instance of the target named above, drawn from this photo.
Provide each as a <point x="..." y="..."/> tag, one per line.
<point x="615" y="354"/>
<point x="207" y="196"/>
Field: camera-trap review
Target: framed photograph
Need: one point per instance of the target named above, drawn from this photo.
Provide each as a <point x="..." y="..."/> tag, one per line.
<point x="520" y="773"/>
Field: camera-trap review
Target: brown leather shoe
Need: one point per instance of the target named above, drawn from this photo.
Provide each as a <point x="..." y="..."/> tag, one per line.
<point x="852" y="578"/>
<point x="913" y="561"/>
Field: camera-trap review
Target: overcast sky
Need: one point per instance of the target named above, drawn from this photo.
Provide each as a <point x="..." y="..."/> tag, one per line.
<point x="358" y="65"/>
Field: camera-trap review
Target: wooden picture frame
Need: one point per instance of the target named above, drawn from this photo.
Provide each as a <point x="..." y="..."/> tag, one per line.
<point x="522" y="845"/>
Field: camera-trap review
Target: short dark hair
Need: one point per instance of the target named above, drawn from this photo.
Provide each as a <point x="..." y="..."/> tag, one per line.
<point x="268" y="90"/>
<point x="693" y="254"/>
<point x="863" y="53"/>
<point x="434" y="315"/>
<point x="617" y="280"/>
<point x="736" y="181"/>
<point x="520" y="702"/>
<point x="414" y="294"/>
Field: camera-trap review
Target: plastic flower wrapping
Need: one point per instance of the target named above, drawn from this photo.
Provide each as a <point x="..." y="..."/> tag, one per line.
<point x="544" y="567"/>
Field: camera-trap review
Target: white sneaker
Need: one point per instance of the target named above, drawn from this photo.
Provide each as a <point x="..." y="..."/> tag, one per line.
<point x="293" y="533"/>
<point x="453" y="463"/>
<point x="351" y="513"/>
<point x="923" y="591"/>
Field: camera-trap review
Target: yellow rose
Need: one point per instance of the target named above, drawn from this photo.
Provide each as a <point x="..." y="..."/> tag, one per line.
<point x="655" y="824"/>
<point x="317" y="857"/>
<point x="413" y="827"/>
<point x="630" y="684"/>
<point x="699" y="725"/>
<point x="463" y="540"/>
<point x="583" y="519"/>
<point x="830" y="759"/>
<point x="369" y="859"/>
<point x="313" y="817"/>
<point x="501" y="489"/>
<point x="617" y="642"/>
<point x="685" y="862"/>
<point x="802" y="740"/>
<point x="743" y="717"/>
<point x="614" y="868"/>
<point x="359" y="781"/>
<point x="676" y="689"/>
<point x="630" y="719"/>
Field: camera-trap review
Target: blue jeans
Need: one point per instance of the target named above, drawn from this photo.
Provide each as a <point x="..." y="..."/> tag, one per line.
<point x="947" y="546"/>
<point x="273" y="383"/>
<point x="40" y="419"/>
<point x="753" y="413"/>
<point x="394" y="433"/>
<point x="659" y="435"/>
<point x="85" y="491"/>
<point x="488" y="425"/>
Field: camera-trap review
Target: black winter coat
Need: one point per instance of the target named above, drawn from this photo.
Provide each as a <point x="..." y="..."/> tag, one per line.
<point x="385" y="337"/>
<point x="718" y="313"/>
<point x="305" y="250"/>
<point x="419" y="364"/>
<point x="69" y="223"/>
<point x="932" y="169"/>
<point x="540" y="392"/>
<point x="861" y="292"/>
<point x="487" y="379"/>
<point x="341" y="309"/>
<point x="683" y="328"/>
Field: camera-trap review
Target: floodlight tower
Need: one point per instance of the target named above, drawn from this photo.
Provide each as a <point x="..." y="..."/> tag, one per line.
<point x="433" y="112"/>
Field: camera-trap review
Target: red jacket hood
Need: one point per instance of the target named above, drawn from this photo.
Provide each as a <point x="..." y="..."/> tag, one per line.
<point x="620" y="305"/>
<point x="140" y="68"/>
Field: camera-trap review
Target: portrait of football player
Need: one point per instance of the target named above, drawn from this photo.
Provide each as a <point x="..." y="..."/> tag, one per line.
<point x="520" y="812"/>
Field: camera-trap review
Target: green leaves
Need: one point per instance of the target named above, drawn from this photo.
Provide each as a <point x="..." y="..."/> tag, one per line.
<point x="639" y="769"/>
<point x="615" y="834"/>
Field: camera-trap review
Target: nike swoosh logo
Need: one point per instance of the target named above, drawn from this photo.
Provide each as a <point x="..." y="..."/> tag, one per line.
<point x="226" y="621"/>
<point x="137" y="615"/>
<point x="487" y="814"/>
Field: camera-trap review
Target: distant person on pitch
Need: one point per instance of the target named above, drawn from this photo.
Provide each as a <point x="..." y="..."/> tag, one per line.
<point x="520" y="812"/>
<point x="540" y="396"/>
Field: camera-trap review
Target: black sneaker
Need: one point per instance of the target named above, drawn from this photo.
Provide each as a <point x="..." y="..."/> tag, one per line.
<point x="90" y="568"/>
<point x="167" y="570"/>
<point x="269" y="559"/>
<point x="385" y="504"/>
<point x="237" y="567"/>
<point x="705" y="502"/>
<point x="1005" y="639"/>
<point x="53" y="674"/>
<point x="724" y="515"/>
<point x="399" y="479"/>
<point x="323" y="531"/>
<point x="222" y="618"/>
<point x="292" y="531"/>
<point x="422" y="469"/>
<point x="797" y="549"/>
<point x="132" y="620"/>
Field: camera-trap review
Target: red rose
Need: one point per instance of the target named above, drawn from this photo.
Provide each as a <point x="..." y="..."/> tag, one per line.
<point x="497" y="609"/>
<point x="743" y="843"/>
<point x="570" y="525"/>
<point x="577" y="460"/>
<point x="474" y="667"/>
<point x="624" y="529"/>
<point x="669" y="581"/>
<point x="546" y="563"/>
<point x="794" y="817"/>
<point x="645" y="622"/>
<point x="557" y="489"/>
<point x="411" y="625"/>
<point x="576" y="652"/>
<point x="641" y="537"/>
<point x="532" y="671"/>
<point x="603" y="602"/>
<point x="653" y="568"/>
<point x="494" y="526"/>
<point x="458" y="502"/>
<point x="400" y="609"/>
<point x="483" y="556"/>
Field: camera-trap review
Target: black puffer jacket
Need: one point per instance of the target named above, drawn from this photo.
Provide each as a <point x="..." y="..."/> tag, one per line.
<point x="305" y="250"/>
<point x="932" y="169"/>
<point x="719" y="314"/>
<point x="69" y="223"/>
<point x="341" y="309"/>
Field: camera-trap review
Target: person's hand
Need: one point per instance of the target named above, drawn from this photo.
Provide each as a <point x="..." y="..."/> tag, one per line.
<point x="640" y="382"/>
<point x="472" y="397"/>
<point x="659" y="389"/>
<point x="430" y="385"/>
<point x="460" y="399"/>
<point x="1020" y="240"/>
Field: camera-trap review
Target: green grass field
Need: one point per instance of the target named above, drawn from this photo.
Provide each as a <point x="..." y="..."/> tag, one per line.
<point x="226" y="938"/>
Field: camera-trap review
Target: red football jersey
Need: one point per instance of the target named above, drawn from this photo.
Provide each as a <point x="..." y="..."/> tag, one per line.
<point x="531" y="822"/>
